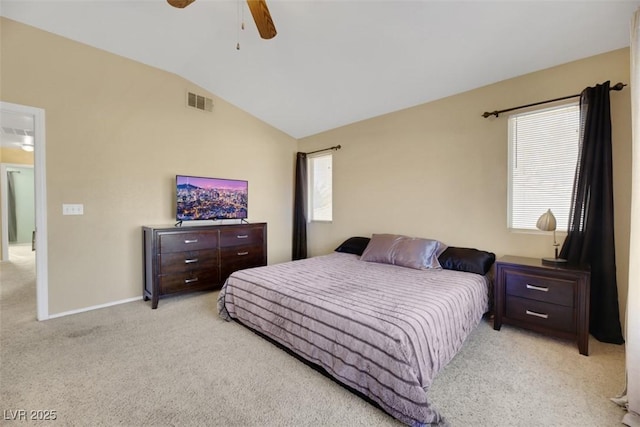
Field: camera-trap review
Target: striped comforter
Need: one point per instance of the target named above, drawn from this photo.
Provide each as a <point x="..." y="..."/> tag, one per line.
<point x="381" y="329"/>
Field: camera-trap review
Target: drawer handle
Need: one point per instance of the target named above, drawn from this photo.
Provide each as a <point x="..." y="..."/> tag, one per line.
<point x="187" y="281"/>
<point x="191" y="241"/>
<point x="537" y="288"/>
<point x="533" y="313"/>
<point x="190" y="261"/>
<point x="242" y="236"/>
<point x="243" y="253"/>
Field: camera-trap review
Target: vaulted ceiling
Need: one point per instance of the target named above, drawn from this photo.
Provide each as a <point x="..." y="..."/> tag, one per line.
<point x="335" y="62"/>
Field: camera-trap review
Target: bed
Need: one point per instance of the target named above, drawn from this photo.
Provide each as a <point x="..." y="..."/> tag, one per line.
<point x="382" y="329"/>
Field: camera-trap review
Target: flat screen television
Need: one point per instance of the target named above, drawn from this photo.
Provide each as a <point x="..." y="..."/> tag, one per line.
<point x="201" y="198"/>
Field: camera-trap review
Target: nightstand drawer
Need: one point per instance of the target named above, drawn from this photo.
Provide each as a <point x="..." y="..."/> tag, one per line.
<point x="550" y="316"/>
<point x="540" y="288"/>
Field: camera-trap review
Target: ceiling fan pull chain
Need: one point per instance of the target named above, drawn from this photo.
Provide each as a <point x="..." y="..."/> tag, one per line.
<point x="241" y="24"/>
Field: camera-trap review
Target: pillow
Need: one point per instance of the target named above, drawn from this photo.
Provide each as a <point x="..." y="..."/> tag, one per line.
<point x="353" y="245"/>
<point x="441" y="248"/>
<point x="417" y="253"/>
<point x="467" y="259"/>
<point x="381" y="248"/>
<point x="402" y="250"/>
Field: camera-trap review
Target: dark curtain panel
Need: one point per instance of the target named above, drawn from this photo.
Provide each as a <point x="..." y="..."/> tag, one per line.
<point x="299" y="248"/>
<point x="12" y="219"/>
<point x="590" y="239"/>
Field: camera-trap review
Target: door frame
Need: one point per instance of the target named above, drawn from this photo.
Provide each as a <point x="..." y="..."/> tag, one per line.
<point x="40" y="182"/>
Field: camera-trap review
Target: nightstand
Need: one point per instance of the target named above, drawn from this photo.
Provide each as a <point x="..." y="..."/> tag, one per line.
<point x="550" y="299"/>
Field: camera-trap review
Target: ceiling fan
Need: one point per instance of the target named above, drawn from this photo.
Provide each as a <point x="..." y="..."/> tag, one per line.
<point x="259" y="11"/>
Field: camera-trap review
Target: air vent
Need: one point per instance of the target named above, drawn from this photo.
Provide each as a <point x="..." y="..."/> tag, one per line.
<point x="20" y="132"/>
<point x="199" y="102"/>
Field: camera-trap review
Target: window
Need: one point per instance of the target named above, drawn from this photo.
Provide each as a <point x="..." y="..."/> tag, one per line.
<point x="543" y="153"/>
<point x="320" y="188"/>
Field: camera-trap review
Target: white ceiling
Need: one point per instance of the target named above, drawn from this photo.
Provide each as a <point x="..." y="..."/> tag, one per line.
<point x="335" y="62"/>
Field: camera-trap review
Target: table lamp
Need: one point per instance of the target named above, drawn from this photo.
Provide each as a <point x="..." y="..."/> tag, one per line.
<point x="547" y="222"/>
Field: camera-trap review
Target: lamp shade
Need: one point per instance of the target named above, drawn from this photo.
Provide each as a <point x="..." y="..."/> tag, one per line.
<point x="546" y="222"/>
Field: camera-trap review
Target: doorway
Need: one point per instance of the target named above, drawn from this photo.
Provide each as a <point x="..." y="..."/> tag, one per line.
<point x="18" y="206"/>
<point x="24" y="127"/>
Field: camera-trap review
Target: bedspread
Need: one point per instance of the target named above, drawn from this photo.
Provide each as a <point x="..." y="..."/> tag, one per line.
<point x="381" y="329"/>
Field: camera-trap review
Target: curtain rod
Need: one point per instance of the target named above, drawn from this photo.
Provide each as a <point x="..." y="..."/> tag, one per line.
<point x="335" y="147"/>
<point x="617" y="86"/>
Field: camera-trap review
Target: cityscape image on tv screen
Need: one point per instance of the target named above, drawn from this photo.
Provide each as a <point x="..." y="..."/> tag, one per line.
<point x="200" y="198"/>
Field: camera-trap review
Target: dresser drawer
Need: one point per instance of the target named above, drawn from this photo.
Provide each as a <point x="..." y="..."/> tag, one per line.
<point x="194" y="241"/>
<point x="244" y="236"/>
<point x="540" y="288"/>
<point x="239" y="258"/>
<point x="175" y="262"/>
<point x="189" y="280"/>
<point x="540" y="313"/>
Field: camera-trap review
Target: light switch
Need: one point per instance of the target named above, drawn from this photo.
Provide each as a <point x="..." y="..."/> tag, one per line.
<point x="72" y="209"/>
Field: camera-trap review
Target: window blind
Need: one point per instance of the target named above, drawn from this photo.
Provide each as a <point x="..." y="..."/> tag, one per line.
<point x="543" y="152"/>
<point x="321" y="187"/>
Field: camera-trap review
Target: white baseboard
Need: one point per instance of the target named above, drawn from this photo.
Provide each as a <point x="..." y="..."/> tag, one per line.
<point x="94" y="307"/>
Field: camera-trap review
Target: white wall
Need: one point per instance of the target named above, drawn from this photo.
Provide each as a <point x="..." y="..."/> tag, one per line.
<point x="633" y="308"/>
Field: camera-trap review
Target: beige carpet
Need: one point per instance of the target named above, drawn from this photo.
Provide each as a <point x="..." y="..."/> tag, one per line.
<point x="181" y="365"/>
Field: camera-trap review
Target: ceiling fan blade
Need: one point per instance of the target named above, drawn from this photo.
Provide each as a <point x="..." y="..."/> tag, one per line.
<point x="180" y="3"/>
<point x="262" y="17"/>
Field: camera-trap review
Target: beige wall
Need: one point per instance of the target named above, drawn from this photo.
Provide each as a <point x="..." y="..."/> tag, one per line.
<point x="15" y="156"/>
<point x="439" y="170"/>
<point x="117" y="134"/>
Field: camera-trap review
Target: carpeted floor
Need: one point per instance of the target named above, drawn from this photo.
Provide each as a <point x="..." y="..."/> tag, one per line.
<point x="182" y="365"/>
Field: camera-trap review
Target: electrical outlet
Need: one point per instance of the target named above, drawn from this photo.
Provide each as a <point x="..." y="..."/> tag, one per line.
<point x="75" y="209"/>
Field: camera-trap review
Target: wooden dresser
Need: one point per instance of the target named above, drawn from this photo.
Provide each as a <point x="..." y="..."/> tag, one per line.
<point x="550" y="299"/>
<point x="196" y="258"/>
